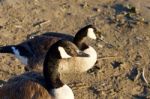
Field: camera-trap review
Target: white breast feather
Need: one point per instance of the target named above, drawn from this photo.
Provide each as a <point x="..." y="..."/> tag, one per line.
<point x="63" y="92"/>
<point x="89" y="62"/>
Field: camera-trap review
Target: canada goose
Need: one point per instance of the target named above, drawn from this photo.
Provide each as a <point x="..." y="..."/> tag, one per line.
<point x="26" y="86"/>
<point x="80" y="39"/>
<point x="32" y="52"/>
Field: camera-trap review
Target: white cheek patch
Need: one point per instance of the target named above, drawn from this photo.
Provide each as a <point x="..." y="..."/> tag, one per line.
<point x="24" y="60"/>
<point x="91" y="33"/>
<point x="63" y="53"/>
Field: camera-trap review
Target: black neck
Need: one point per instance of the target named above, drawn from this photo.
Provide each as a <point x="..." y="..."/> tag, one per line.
<point x="51" y="73"/>
<point x="80" y="42"/>
<point x="6" y="49"/>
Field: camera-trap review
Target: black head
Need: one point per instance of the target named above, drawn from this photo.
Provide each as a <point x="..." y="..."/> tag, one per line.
<point x="87" y="31"/>
<point x="83" y="34"/>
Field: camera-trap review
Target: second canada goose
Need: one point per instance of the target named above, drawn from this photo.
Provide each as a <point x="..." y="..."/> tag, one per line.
<point x="26" y="87"/>
<point x="83" y="35"/>
<point x="32" y="52"/>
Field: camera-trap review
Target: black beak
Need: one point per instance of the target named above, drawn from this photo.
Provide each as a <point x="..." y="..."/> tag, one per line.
<point x="98" y="35"/>
<point x="82" y="54"/>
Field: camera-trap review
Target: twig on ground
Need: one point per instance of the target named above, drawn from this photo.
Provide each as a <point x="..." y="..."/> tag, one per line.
<point x="143" y="75"/>
<point x="18" y="26"/>
<point x="109" y="57"/>
<point x="41" y="23"/>
<point x="78" y="86"/>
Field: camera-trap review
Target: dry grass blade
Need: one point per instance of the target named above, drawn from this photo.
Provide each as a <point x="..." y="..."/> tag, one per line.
<point x="143" y="75"/>
<point x="109" y="57"/>
<point x="77" y="86"/>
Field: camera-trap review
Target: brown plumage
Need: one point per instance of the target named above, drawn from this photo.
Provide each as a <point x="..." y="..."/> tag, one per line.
<point x="25" y="89"/>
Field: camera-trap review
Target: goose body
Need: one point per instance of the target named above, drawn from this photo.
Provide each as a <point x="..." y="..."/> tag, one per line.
<point x="32" y="52"/>
<point x="9" y="91"/>
<point x="33" y="85"/>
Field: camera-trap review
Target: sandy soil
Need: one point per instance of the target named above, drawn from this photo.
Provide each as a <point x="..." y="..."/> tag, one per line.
<point x="123" y="66"/>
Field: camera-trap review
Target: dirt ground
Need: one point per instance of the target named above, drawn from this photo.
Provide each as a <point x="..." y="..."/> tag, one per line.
<point x="123" y="66"/>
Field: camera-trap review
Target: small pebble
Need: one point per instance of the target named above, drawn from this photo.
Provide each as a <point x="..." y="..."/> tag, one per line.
<point x="99" y="45"/>
<point x="97" y="9"/>
<point x="84" y="5"/>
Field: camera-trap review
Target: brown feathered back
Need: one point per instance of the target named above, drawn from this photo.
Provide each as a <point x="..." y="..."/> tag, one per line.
<point x="26" y="89"/>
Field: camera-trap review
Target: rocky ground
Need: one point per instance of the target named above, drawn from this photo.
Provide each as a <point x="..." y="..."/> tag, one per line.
<point x="123" y="66"/>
